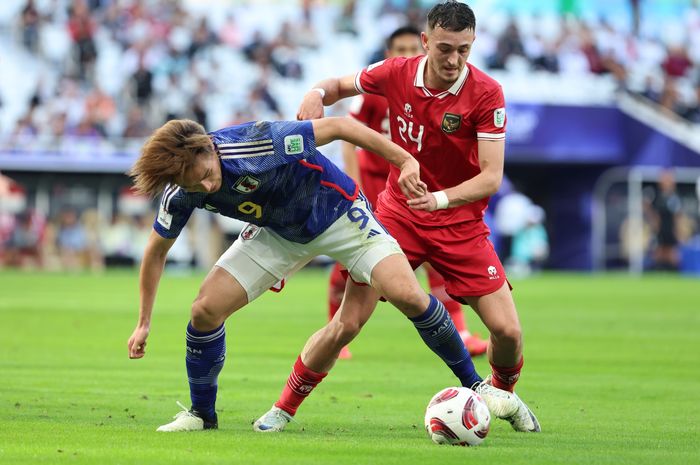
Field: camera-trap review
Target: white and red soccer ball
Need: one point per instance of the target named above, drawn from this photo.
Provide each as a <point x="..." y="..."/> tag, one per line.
<point x="457" y="416"/>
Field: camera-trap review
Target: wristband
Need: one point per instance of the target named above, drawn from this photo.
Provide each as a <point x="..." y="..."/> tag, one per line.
<point x="320" y="91"/>
<point x="441" y="199"/>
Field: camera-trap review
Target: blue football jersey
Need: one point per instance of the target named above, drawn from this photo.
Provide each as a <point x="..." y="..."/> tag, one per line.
<point x="272" y="176"/>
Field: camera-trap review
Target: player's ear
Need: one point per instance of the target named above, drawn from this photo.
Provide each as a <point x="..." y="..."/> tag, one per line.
<point x="424" y="40"/>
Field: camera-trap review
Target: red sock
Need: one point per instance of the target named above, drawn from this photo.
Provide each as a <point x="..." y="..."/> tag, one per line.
<point x="299" y="385"/>
<point x="505" y="378"/>
<point x="454" y="308"/>
<point x="336" y="288"/>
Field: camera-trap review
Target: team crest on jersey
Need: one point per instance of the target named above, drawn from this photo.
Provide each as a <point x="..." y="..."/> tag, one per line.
<point x="408" y="110"/>
<point x="250" y="232"/>
<point x="451" y="122"/>
<point x="246" y="184"/>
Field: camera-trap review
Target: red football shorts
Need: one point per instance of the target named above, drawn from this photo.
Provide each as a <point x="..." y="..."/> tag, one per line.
<point x="461" y="253"/>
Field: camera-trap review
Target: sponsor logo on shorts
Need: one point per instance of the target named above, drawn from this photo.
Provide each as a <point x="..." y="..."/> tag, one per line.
<point x="250" y="232"/>
<point x="493" y="272"/>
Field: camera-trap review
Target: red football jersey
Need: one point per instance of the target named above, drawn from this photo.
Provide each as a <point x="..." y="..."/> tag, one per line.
<point x="439" y="128"/>
<point x="373" y="112"/>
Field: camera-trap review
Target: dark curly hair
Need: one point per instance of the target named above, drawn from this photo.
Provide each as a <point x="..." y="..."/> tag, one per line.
<point x="452" y="16"/>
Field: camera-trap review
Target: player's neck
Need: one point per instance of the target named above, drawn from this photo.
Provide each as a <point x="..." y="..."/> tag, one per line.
<point x="433" y="82"/>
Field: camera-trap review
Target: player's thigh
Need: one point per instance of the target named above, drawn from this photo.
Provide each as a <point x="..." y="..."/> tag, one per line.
<point x="219" y="296"/>
<point x="497" y="311"/>
<point x="359" y="302"/>
<point x="394" y="279"/>
<point x="259" y="259"/>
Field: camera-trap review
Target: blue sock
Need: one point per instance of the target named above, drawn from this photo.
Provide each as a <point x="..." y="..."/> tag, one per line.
<point x="206" y="352"/>
<point x="439" y="333"/>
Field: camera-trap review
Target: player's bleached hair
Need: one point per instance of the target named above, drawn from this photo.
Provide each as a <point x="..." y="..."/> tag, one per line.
<point x="452" y="16"/>
<point x="402" y="31"/>
<point x="166" y="155"/>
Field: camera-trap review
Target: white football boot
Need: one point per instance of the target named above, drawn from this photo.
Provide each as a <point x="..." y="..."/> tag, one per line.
<point x="502" y="404"/>
<point x="187" y="420"/>
<point x="507" y="406"/>
<point x="273" y="421"/>
<point x="524" y="420"/>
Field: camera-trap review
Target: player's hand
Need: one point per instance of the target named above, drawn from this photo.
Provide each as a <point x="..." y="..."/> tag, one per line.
<point x="425" y="202"/>
<point x="409" y="179"/>
<point x="311" y="106"/>
<point x="137" y="342"/>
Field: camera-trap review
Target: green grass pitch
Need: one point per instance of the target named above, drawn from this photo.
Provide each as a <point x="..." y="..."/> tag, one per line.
<point x="612" y="369"/>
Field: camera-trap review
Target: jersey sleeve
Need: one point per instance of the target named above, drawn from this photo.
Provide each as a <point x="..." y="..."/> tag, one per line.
<point x="284" y="142"/>
<point x="173" y="213"/>
<point x="491" y="116"/>
<point x="374" y="78"/>
<point x="359" y="110"/>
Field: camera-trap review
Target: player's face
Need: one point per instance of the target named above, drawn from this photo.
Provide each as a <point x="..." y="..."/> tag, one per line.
<point x="204" y="175"/>
<point x="407" y="45"/>
<point x="447" y="52"/>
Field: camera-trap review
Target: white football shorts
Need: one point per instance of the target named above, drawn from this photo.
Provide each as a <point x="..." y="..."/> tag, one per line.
<point x="260" y="258"/>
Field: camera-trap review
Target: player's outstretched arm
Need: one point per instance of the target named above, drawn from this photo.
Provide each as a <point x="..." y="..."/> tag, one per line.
<point x="326" y="92"/>
<point x="151" y="271"/>
<point x="350" y="130"/>
<point x="350" y="163"/>
<point x="484" y="184"/>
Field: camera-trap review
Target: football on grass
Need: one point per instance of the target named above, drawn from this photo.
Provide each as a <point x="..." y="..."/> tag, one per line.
<point x="457" y="416"/>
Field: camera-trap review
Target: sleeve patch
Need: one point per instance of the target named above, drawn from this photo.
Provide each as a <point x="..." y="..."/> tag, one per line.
<point x="293" y="144"/>
<point x="165" y="219"/>
<point x="499" y="117"/>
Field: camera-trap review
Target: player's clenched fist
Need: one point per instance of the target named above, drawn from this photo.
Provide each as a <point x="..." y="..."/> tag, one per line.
<point x="409" y="179"/>
<point x="311" y="106"/>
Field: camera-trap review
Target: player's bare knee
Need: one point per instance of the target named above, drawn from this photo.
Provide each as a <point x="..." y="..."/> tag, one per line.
<point x="204" y="317"/>
<point x="344" y="331"/>
<point x="508" y="334"/>
<point x="411" y="300"/>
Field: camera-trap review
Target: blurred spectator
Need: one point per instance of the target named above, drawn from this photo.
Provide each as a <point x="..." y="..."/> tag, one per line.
<point x="667" y="209"/>
<point x="510" y="217"/>
<point x="136" y="125"/>
<point x="117" y="241"/>
<point x="81" y="28"/>
<point x="345" y="24"/>
<point x="530" y="247"/>
<point x="31" y="23"/>
<point x="22" y="248"/>
<point x="508" y="44"/>
<point x="71" y="241"/>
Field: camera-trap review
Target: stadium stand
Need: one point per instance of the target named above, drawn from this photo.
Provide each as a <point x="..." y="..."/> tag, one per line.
<point x="82" y="82"/>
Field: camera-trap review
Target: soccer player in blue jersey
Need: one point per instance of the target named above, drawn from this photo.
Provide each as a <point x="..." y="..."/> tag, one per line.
<point x="299" y="205"/>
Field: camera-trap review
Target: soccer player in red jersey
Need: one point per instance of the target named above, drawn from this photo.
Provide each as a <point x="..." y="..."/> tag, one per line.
<point x="451" y="117"/>
<point x="371" y="172"/>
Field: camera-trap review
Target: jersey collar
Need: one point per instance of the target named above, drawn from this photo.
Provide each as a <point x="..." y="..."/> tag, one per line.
<point x="454" y="90"/>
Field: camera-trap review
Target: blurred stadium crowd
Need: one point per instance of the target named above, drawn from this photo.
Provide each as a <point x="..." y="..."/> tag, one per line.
<point x="89" y="75"/>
